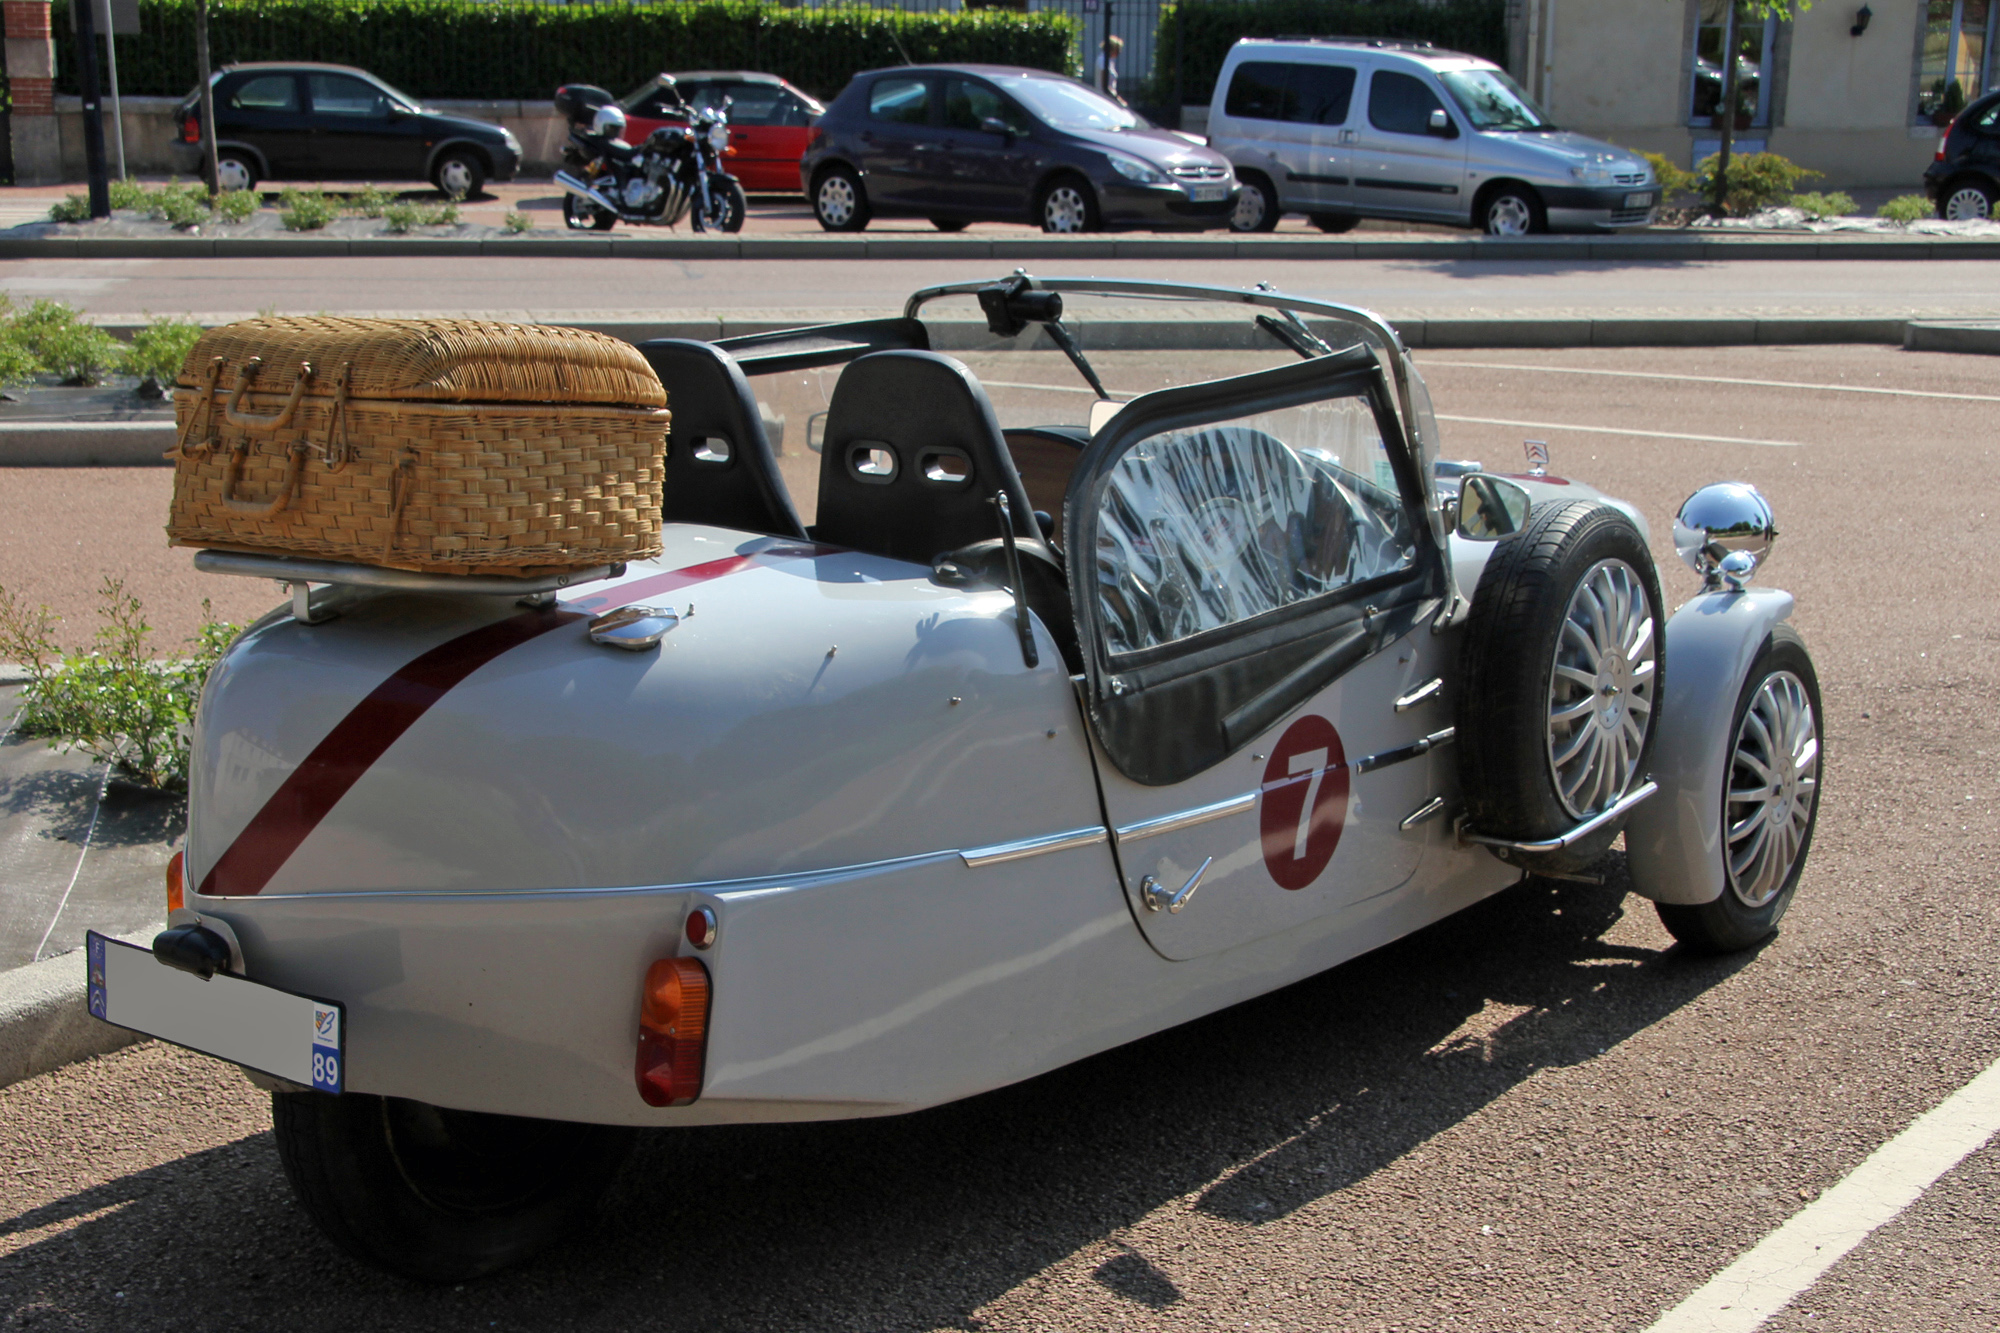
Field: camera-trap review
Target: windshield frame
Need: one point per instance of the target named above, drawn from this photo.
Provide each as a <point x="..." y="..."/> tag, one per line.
<point x="1447" y="79"/>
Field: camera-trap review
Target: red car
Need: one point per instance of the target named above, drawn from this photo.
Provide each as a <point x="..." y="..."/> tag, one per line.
<point x="769" y="120"/>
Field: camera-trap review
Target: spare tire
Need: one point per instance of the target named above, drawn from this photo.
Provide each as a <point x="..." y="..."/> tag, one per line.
<point x="1560" y="673"/>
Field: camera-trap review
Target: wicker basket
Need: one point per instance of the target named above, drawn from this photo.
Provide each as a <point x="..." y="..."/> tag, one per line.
<point x="446" y="446"/>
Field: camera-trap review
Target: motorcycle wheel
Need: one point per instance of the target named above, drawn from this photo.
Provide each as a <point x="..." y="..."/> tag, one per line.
<point x="726" y="206"/>
<point x="580" y="214"/>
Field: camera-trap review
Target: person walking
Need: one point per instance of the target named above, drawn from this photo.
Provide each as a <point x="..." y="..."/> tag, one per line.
<point x="1107" y="66"/>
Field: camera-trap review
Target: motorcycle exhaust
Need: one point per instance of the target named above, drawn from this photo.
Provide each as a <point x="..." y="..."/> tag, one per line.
<point x="577" y="187"/>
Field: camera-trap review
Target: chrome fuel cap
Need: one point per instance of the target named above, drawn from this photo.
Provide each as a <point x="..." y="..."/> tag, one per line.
<point x="633" y="628"/>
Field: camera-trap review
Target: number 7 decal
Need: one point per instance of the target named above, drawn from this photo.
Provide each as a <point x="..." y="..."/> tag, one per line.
<point x="1304" y="805"/>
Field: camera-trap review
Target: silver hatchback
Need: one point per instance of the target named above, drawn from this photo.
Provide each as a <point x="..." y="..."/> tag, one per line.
<point x="1341" y="130"/>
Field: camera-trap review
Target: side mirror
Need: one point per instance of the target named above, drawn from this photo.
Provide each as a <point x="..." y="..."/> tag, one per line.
<point x="1490" y="508"/>
<point x="1441" y="123"/>
<point x="995" y="125"/>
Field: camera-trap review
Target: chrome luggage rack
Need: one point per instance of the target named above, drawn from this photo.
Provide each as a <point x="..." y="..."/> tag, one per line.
<point x="298" y="576"/>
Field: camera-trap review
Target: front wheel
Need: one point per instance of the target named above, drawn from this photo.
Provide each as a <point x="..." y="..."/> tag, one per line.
<point x="726" y="206"/>
<point x="839" y="201"/>
<point x="1068" y="206"/>
<point x="1513" y="210"/>
<point x="1770" y="802"/>
<point x="1256" y="206"/>
<point x="579" y="214"/>
<point x="438" y="1195"/>
<point x="459" y="174"/>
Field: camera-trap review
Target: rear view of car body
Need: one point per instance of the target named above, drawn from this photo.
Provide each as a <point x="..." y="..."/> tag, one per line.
<point x="1963" y="181"/>
<point x="1349" y="129"/>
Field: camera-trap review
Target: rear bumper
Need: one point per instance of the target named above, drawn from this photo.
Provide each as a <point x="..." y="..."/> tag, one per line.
<point x="186" y="157"/>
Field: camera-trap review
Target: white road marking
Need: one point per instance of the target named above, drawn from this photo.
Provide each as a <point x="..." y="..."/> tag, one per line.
<point x="95" y="810"/>
<point x="1790" y="1259"/>
<point x="1719" y="379"/>
<point x="1617" y="430"/>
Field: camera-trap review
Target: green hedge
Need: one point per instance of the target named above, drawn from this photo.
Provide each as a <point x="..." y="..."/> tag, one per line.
<point x="1476" y="27"/>
<point x="507" y="49"/>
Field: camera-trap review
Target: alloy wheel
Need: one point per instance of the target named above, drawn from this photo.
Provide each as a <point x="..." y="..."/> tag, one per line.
<point x="456" y="178"/>
<point x="1509" y="215"/>
<point x="1601" y="688"/>
<point x="1773" y="783"/>
<point x="1968" y="203"/>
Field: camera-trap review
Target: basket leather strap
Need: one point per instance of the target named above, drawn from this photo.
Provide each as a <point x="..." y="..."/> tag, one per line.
<point x="294" y="466"/>
<point x="204" y="406"/>
<point x="402" y="483"/>
<point x="261" y="424"/>
<point x="339" y="446"/>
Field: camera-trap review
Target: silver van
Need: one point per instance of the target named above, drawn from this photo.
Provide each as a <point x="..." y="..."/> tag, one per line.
<point x="1343" y="129"/>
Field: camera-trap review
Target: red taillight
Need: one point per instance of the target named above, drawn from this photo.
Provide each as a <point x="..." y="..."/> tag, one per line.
<point x="815" y="139"/>
<point x="673" y="1029"/>
<point x="1944" y="137"/>
<point x="176" y="882"/>
<point x="191" y="130"/>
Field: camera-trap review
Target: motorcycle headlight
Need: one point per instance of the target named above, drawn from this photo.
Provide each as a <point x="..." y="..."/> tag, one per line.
<point x="1595" y="174"/>
<point x="1132" y="169"/>
<point x="718" y="137"/>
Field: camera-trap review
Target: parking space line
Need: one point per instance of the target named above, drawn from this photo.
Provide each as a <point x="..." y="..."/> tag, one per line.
<point x="1719" y="379"/>
<point x="1617" y="430"/>
<point x="1790" y="1259"/>
<point x="96" y="809"/>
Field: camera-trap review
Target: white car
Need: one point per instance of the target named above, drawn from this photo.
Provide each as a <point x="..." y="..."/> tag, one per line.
<point x="944" y="792"/>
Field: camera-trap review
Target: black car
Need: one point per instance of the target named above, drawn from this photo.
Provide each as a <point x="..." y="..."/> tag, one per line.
<point x="997" y="143"/>
<point x="307" y="121"/>
<point x="1964" y="179"/>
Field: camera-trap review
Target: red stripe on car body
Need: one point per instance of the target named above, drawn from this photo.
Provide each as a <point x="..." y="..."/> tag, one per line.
<point x="310" y="791"/>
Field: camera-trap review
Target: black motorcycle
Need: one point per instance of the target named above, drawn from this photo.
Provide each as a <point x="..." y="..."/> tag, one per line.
<point x="676" y="173"/>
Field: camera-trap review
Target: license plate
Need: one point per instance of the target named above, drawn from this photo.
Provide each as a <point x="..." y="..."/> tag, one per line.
<point x="291" y="1036"/>
<point x="1639" y="200"/>
<point x="1208" y="194"/>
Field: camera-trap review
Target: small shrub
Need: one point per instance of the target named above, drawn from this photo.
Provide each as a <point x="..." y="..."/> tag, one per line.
<point x="1834" y="205"/>
<point x="156" y="352"/>
<point x="113" y="701"/>
<point x="444" y="216"/>
<point x="128" y="193"/>
<point x="371" y="202"/>
<point x="64" y="345"/>
<point x="306" y="210"/>
<point x="1757" y="181"/>
<point x="518" y="222"/>
<point x="1907" y="208"/>
<point x="1673" y="180"/>
<point x="18" y="363"/>
<point x="74" y="208"/>
<point x="238" y="205"/>
<point x="182" y="204"/>
<point x="399" y="217"/>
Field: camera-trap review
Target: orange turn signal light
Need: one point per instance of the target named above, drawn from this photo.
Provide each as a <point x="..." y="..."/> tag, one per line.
<point x="673" y="1032"/>
<point x="177" y="881"/>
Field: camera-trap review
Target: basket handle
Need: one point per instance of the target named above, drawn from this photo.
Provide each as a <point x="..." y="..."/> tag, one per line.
<point x="250" y="420"/>
<point x="203" y="406"/>
<point x="286" y="490"/>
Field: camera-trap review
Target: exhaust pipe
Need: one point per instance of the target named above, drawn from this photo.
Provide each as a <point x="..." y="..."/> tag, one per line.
<point x="577" y="187"/>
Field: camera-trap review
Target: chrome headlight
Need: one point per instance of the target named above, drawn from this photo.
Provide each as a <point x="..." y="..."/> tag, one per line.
<point x="1723" y="532"/>
<point x="718" y="136"/>
<point x="1132" y="169"/>
<point x="1595" y="174"/>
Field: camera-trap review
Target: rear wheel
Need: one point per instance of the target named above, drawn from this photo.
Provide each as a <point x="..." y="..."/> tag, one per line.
<point x="1966" y="200"/>
<point x="579" y="214"/>
<point x="1256" y="206"/>
<point x="1068" y="205"/>
<point x="459" y="174"/>
<point x="839" y="202"/>
<point x="438" y="1195"/>
<point x="235" y="171"/>
<point x="1770" y="802"/>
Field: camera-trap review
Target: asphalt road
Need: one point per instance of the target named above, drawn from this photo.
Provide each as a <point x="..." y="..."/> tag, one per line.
<point x="1536" y="1115"/>
<point x="221" y="289"/>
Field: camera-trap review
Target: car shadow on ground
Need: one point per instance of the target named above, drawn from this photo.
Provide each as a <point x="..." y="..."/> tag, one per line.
<point x="1486" y="268"/>
<point x="918" y="1221"/>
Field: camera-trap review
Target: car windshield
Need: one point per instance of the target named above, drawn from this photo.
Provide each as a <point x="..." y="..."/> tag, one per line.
<point x="1068" y="105"/>
<point x="1492" y="101"/>
<point x="397" y="95"/>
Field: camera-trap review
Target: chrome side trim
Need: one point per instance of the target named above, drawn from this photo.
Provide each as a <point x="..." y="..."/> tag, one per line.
<point x="1201" y="814"/>
<point x="1575" y="835"/>
<point x="1384" y="758"/>
<point x="1022" y="848"/>
<point x="1424" y="693"/>
<point x="1430" y="809"/>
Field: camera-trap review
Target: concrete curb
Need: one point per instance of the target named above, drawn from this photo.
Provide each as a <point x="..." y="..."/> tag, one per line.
<point x="44" y="1021"/>
<point x="1953" y="336"/>
<point x="1674" y="247"/>
<point x="86" y="443"/>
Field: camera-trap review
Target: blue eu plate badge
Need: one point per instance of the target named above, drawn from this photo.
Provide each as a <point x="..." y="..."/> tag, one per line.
<point x="326" y="1071"/>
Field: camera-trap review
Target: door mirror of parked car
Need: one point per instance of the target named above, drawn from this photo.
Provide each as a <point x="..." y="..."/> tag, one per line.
<point x="1490" y="508"/>
<point x="995" y="125"/>
<point x="1441" y="123"/>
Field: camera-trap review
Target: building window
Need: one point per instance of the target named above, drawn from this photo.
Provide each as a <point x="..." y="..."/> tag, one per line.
<point x="1956" y="62"/>
<point x="1723" y="26"/>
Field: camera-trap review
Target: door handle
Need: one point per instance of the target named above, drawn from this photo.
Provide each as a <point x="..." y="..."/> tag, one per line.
<point x="1155" y="894"/>
<point x="1347" y="136"/>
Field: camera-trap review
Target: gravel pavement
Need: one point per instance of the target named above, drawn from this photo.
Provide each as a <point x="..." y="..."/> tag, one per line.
<point x="1535" y="1115"/>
